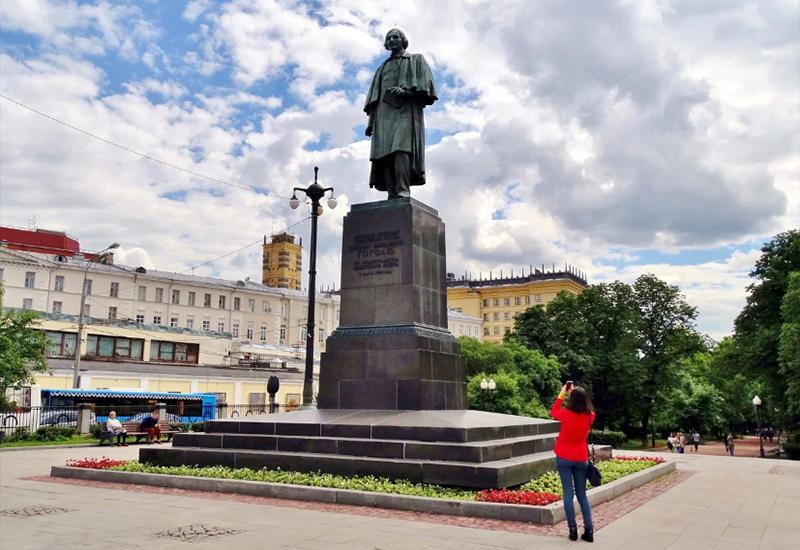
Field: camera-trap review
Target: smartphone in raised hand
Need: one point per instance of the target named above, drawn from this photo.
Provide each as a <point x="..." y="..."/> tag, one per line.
<point x="570" y="385"/>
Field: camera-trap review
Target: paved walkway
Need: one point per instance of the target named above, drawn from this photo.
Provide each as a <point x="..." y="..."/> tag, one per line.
<point x="730" y="504"/>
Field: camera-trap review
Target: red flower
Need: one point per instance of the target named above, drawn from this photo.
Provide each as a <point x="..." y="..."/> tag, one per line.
<point x="102" y="463"/>
<point x="530" y="498"/>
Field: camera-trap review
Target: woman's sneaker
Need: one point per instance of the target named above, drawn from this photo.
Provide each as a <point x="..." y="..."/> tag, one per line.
<point x="588" y="535"/>
<point x="573" y="534"/>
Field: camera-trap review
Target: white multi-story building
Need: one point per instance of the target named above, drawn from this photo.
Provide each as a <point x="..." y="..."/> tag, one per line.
<point x="464" y="325"/>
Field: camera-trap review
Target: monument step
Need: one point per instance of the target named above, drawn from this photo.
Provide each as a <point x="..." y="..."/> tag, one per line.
<point x="494" y="474"/>
<point x="426" y="425"/>
<point x="480" y="451"/>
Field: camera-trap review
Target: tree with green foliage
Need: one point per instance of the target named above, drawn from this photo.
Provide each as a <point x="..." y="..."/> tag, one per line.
<point x="666" y="336"/>
<point x="759" y="326"/>
<point x="789" y="347"/>
<point x="526" y="380"/>
<point x="23" y="349"/>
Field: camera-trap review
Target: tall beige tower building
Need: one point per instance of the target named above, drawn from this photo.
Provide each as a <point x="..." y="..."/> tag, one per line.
<point x="282" y="262"/>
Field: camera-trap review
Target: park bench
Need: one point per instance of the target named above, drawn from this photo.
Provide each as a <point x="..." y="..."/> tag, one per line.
<point x="132" y="427"/>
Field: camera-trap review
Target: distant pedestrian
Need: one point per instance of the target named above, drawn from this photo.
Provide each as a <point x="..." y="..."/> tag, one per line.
<point x="671" y="442"/>
<point x="150" y="425"/>
<point x="730" y="442"/>
<point x="572" y="454"/>
<point x="680" y="442"/>
<point x="115" y="427"/>
<point x="695" y="439"/>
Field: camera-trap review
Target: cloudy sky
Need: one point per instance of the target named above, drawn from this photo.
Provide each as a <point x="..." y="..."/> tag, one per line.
<point x="622" y="137"/>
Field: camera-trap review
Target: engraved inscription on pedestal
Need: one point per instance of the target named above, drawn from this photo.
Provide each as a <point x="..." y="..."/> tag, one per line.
<point x="377" y="256"/>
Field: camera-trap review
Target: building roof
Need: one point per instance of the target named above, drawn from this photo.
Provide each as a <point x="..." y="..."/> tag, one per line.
<point x="533" y="276"/>
<point x="95" y="368"/>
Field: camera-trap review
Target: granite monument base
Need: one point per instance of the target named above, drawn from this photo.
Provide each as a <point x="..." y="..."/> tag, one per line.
<point x="456" y="448"/>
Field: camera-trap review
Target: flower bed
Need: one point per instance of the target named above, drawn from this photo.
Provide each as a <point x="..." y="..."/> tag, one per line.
<point x="531" y="498"/>
<point x="541" y="491"/>
<point x="102" y="463"/>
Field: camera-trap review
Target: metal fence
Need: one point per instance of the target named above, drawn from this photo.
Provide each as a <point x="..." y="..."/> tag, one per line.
<point x="238" y="411"/>
<point x="34" y="418"/>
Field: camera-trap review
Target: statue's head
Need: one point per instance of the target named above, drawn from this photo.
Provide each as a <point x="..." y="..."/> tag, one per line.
<point x="398" y="32"/>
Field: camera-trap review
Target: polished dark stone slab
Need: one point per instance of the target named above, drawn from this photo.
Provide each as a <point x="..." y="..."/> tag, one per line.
<point x="392" y="349"/>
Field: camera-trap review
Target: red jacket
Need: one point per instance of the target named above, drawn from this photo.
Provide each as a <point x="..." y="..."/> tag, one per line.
<point x="571" y="442"/>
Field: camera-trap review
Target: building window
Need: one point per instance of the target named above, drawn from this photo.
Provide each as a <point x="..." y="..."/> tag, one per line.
<point x="1" y="273"/>
<point x="496" y="316"/>
<point x="140" y="318"/>
<point x="496" y="331"/>
<point x="284" y="310"/>
<point x="517" y="301"/>
<point x="86" y="309"/>
<point x="111" y="347"/>
<point x="221" y="326"/>
<point x="485" y="316"/>
<point x="527" y="300"/>
<point x="176" y="297"/>
<point x="508" y="330"/>
<point x="538" y="298"/>
<point x="191" y="298"/>
<point x="174" y="352"/>
<point x="159" y="295"/>
<point x="142" y="293"/>
<point x="189" y="322"/>
<point x="221" y="397"/>
<point x="486" y="332"/>
<point x="263" y="333"/>
<point x="206" y="325"/>
<point x="235" y="330"/>
<point x="237" y="303"/>
<point x="302" y="335"/>
<point x="495" y="302"/>
<point x="265" y="306"/>
<point x="283" y="333"/>
<point x="30" y="279"/>
<point x="114" y="290"/>
<point x="207" y="300"/>
<point x="321" y="335"/>
<point x="251" y="305"/>
<point x="173" y="321"/>
<point x="485" y="302"/>
<point x="222" y="302"/>
<point x="56" y="307"/>
<point x="59" y="286"/>
<point x="506" y="301"/>
<point x="256" y="398"/>
<point x="27" y="303"/>
<point x="249" y="333"/>
<point x="88" y="288"/>
<point x="507" y="315"/>
<point x="61" y="344"/>
<point x="157" y="319"/>
<point x="112" y="313"/>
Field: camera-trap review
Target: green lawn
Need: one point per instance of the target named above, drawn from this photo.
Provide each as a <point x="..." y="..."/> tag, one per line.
<point x="35" y="443"/>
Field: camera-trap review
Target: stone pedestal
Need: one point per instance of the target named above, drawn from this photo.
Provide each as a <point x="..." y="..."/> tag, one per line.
<point x="392" y="350"/>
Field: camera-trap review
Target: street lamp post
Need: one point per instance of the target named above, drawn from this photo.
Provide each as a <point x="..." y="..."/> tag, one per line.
<point x="757" y="405"/>
<point x="76" y="367"/>
<point x="315" y="192"/>
<point x="488" y="386"/>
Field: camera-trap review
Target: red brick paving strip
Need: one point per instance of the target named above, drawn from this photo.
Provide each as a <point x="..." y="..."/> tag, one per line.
<point x="602" y="514"/>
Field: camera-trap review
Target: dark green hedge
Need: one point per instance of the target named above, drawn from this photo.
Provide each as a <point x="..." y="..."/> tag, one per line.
<point x="615" y="439"/>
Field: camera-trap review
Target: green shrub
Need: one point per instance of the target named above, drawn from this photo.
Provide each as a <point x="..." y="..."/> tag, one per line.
<point x="94" y="430"/>
<point x="54" y="433"/>
<point x="19" y="434"/>
<point x="610" y="470"/>
<point x="792" y="450"/>
<point x="615" y="439"/>
<point x="199" y="427"/>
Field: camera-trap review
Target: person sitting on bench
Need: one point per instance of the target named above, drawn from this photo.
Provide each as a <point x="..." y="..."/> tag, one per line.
<point x="115" y="427"/>
<point x="150" y="425"/>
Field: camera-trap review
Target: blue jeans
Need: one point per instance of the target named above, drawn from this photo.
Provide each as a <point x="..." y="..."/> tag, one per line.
<point x="573" y="482"/>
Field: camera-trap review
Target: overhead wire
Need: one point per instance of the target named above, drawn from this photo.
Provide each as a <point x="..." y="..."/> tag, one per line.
<point x="129" y="149"/>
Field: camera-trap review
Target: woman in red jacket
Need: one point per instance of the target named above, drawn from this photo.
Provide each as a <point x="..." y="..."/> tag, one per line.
<point x="572" y="454"/>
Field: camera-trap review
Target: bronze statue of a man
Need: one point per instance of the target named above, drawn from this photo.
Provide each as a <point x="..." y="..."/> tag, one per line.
<point x="401" y="88"/>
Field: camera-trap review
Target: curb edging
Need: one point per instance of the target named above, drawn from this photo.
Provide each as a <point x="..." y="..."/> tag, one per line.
<point x="549" y="514"/>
